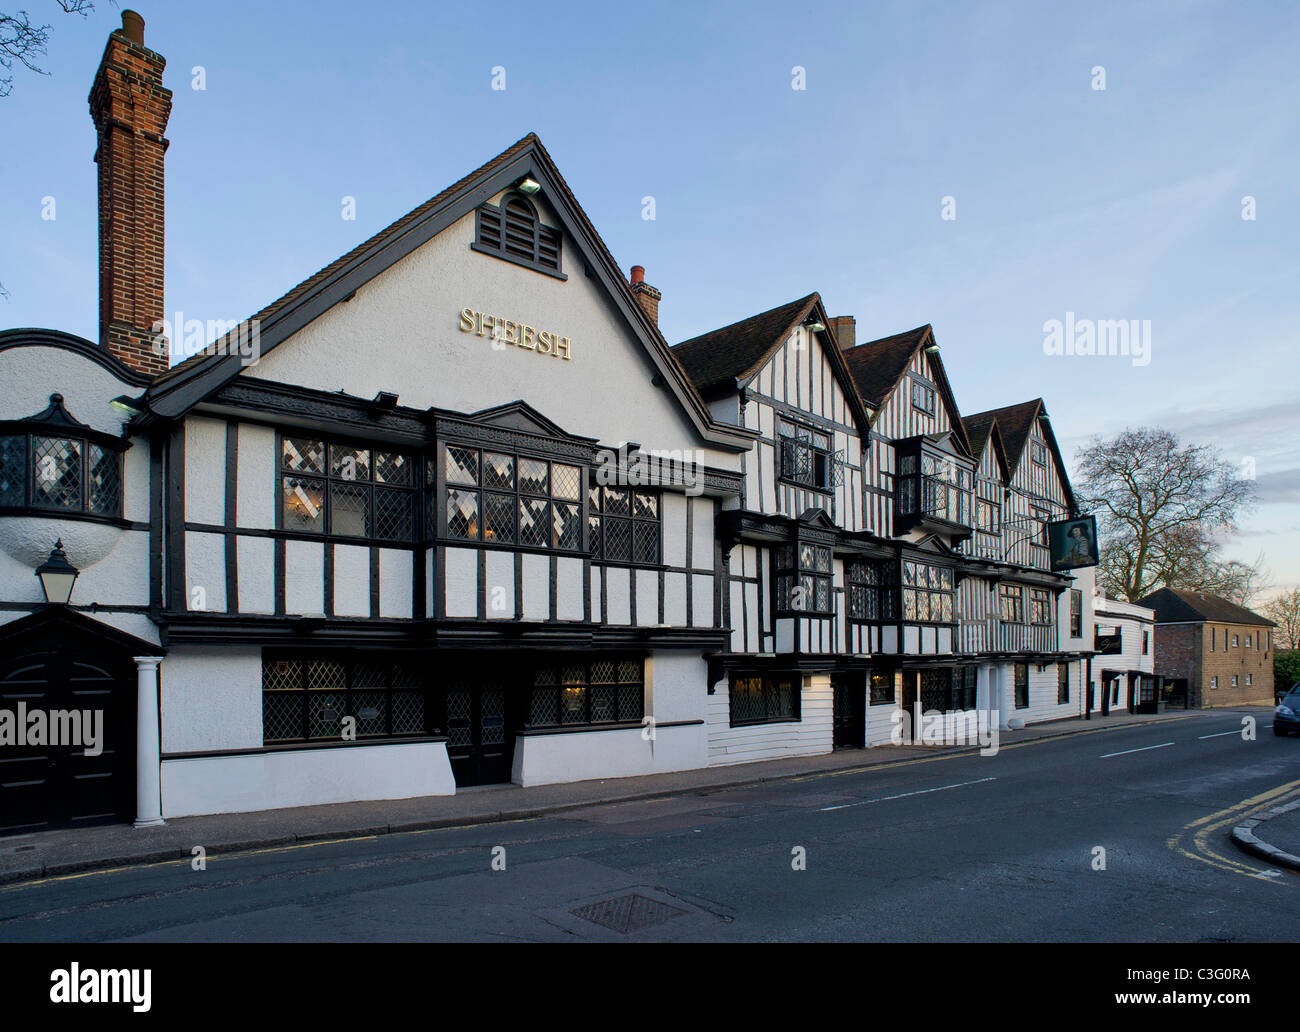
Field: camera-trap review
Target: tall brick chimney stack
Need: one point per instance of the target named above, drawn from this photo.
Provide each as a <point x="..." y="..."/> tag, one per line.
<point x="646" y="296"/>
<point x="845" y="328"/>
<point x="130" y="108"/>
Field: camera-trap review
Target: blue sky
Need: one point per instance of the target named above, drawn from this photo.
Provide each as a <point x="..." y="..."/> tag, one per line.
<point x="1122" y="203"/>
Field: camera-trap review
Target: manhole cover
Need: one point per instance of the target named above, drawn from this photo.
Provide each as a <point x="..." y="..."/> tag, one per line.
<point x="627" y="913"/>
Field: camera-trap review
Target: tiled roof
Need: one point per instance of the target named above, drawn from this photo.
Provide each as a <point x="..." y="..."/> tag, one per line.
<point x="877" y="365"/>
<point x="1014" y="423"/>
<point x="721" y="356"/>
<point x="978" y="430"/>
<point x="1173" y="605"/>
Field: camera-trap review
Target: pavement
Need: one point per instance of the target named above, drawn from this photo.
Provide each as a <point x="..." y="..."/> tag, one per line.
<point x="1273" y="835"/>
<point x="69" y="851"/>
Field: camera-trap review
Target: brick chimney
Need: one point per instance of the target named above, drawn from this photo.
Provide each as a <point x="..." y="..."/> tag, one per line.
<point x="845" y="328"/>
<point x="646" y="296"/>
<point x="130" y="109"/>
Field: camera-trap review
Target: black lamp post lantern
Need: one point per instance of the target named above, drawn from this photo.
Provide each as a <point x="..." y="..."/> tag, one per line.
<point x="57" y="576"/>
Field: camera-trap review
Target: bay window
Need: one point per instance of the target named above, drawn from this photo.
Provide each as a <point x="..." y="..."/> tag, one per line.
<point x="504" y="498"/>
<point x="927" y="593"/>
<point x="803" y="579"/>
<point x="354" y="490"/>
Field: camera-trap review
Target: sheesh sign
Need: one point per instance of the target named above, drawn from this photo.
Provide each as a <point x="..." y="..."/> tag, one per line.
<point x="502" y="331"/>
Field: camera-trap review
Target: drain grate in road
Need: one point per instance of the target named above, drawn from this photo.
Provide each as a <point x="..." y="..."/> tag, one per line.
<point x="627" y="913"/>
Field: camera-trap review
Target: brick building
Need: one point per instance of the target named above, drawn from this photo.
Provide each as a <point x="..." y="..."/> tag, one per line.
<point x="1223" y="651"/>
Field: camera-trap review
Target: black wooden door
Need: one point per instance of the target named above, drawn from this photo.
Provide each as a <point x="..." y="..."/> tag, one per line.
<point x="67" y="682"/>
<point x="480" y="729"/>
<point x="908" y="702"/>
<point x="849" y="711"/>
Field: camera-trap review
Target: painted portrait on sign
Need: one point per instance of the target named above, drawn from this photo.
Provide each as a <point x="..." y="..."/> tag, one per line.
<point x="1073" y="543"/>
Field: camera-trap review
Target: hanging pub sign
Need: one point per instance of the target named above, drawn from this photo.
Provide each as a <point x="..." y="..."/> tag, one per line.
<point x="1073" y="542"/>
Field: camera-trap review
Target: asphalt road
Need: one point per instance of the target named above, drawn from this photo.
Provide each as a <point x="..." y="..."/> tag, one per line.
<point x="955" y="849"/>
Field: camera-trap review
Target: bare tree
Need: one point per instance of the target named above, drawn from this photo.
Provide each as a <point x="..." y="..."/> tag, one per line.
<point x="26" y="43"/>
<point x="1284" y="610"/>
<point x="1163" y="508"/>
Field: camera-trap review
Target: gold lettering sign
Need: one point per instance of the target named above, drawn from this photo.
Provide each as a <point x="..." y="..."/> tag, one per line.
<point x="502" y="331"/>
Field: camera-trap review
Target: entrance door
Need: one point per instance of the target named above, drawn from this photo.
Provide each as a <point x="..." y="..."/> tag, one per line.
<point x="480" y="736"/>
<point x="78" y="687"/>
<point x="849" y="711"/>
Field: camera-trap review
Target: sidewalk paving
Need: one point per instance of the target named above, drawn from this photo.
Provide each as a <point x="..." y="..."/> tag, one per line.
<point x="68" y="851"/>
<point x="1274" y="836"/>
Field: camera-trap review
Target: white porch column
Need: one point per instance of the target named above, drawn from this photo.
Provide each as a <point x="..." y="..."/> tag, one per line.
<point x="148" y="775"/>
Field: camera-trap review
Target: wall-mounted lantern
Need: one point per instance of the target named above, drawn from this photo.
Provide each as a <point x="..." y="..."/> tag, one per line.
<point x="57" y="576"/>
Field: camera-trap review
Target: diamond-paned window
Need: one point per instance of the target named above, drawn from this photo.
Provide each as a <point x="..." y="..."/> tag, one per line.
<point x="13" y="470"/>
<point x="56" y="472"/>
<point x="103" y="480"/>
<point x="509" y="499"/>
<point x="308" y="698"/>
<point x="342" y="497"/>
<point x="625" y="526"/>
<point x="603" y="689"/>
<point x="763" y="698"/>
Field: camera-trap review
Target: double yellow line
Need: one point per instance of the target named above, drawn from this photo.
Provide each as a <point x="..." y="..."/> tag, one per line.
<point x="1196" y="835"/>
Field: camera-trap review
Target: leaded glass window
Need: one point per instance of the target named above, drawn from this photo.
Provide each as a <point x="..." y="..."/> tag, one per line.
<point x="764" y="698"/>
<point x="625" y="525"/>
<point x="597" y="690"/>
<point x="353" y="490"/>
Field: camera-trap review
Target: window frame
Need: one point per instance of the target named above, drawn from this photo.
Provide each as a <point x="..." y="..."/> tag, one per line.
<point x="768" y="682"/>
<point x="802" y="438"/>
<point x="412" y="490"/>
<point x="27" y="433"/>
<point x="789" y="569"/>
<point x="541" y="233"/>
<point x="924" y="396"/>
<point x="441" y="487"/>
<point x="1020" y="684"/>
<point x="945" y="590"/>
<point x="598" y="519"/>
<point x="886" y="679"/>
<point x="1004" y="595"/>
<point x="1062" y="684"/>
<point x="617" y="699"/>
<point x="1076" y="613"/>
<point x="884" y="590"/>
<point x="1040" y="607"/>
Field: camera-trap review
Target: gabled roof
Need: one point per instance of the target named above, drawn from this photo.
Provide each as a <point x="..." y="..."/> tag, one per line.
<point x="1173" y="605"/>
<point x="1015" y="423"/>
<point x="979" y="430"/>
<point x="726" y="359"/>
<point x="878" y="366"/>
<point x="186" y="384"/>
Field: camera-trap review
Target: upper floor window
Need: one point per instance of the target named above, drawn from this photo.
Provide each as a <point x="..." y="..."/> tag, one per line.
<point x="806" y="457"/>
<point x="52" y="462"/>
<point x="624" y="525"/>
<point x="922" y="397"/>
<point x="1146" y="643"/>
<point x="1076" y="613"/>
<point x="803" y="578"/>
<point x="514" y="232"/>
<point x="1040" y="606"/>
<point x="1040" y="517"/>
<point x="1038" y="453"/>
<point x="333" y="487"/>
<point x="1012" y="598"/>
<point x="508" y="499"/>
<point x="933" y="486"/>
<point x="988" y="516"/>
<point x="1234" y="641"/>
<point x="1213" y="635"/>
<point x="872" y="590"/>
<point x="1247" y="641"/>
<point x="927" y="593"/>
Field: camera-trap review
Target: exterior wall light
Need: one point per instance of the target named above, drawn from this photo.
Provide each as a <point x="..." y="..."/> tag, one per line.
<point x="57" y="576"/>
<point x="529" y="185"/>
<point x="813" y="326"/>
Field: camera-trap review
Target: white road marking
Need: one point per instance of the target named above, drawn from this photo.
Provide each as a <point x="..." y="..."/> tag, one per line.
<point x="1127" y="751"/>
<point x="904" y="795"/>
<point x="1201" y="738"/>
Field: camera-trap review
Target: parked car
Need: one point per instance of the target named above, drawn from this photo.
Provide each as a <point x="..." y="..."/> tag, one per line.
<point x="1286" y="718"/>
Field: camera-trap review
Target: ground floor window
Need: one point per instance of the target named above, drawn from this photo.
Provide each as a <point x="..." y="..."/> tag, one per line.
<point x="1022" y="685"/>
<point x="764" y="698"/>
<point x="881" y="687"/>
<point x="601" y="690"/>
<point x="1062" y="683"/>
<point x="948" y="689"/>
<point x="308" y="699"/>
